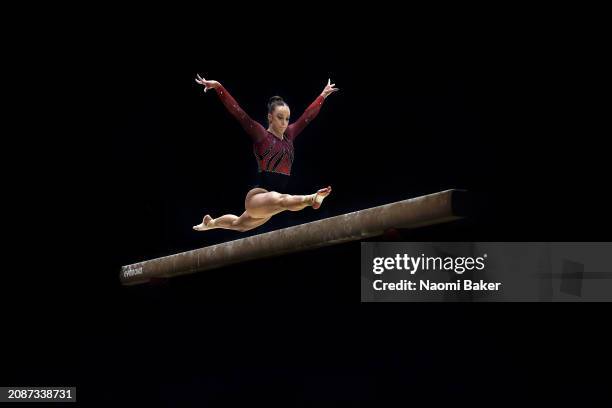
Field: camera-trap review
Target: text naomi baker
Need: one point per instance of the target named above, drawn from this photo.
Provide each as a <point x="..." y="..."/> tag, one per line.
<point x="427" y="285"/>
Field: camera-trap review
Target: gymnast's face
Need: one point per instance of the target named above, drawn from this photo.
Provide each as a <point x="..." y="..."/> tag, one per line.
<point x="279" y="119"/>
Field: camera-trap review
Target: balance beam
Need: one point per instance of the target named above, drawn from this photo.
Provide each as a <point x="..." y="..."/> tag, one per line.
<point x="412" y="213"/>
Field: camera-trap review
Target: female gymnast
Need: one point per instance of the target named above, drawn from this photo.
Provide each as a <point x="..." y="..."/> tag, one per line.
<point x="273" y="148"/>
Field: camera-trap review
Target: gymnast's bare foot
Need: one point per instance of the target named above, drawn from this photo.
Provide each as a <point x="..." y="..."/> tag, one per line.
<point x="318" y="197"/>
<point x="205" y="225"/>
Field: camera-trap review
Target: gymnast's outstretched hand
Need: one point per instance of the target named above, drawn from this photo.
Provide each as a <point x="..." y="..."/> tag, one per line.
<point x="207" y="84"/>
<point x="329" y="89"/>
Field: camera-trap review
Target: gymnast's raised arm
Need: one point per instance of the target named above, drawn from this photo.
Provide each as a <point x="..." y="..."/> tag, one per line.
<point x="311" y="112"/>
<point x="253" y="128"/>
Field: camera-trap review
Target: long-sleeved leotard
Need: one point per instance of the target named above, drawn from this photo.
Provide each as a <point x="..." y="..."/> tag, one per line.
<point x="273" y="154"/>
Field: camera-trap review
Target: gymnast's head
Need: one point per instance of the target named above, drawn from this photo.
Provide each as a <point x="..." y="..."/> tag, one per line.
<point x="278" y="114"/>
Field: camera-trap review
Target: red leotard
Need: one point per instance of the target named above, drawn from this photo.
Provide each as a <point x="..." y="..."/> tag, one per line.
<point x="273" y="154"/>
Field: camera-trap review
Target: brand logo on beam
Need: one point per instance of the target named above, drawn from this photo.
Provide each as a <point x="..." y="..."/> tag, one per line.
<point x="132" y="272"/>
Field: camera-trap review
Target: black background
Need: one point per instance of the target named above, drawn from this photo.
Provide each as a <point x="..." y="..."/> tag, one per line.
<point x="417" y="112"/>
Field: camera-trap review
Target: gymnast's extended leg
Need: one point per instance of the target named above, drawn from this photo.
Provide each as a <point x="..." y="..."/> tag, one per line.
<point x="270" y="203"/>
<point x="229" y="221"/>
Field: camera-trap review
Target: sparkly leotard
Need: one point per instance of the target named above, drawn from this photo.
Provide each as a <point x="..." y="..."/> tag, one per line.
<point x="274" y="156"/>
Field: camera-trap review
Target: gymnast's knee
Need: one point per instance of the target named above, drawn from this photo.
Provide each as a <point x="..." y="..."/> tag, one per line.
<point x="283" y="200"/>
<point x="240" y="228"/>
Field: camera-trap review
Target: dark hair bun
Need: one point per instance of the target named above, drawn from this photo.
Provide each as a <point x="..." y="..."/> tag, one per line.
<point x="275" y="99"/>
<point x="274" y="102"/>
